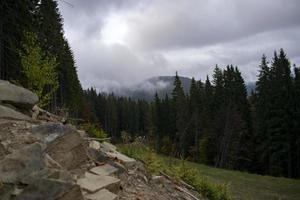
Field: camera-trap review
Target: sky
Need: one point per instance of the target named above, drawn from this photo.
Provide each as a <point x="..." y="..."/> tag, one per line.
<point x="120" y="43"/>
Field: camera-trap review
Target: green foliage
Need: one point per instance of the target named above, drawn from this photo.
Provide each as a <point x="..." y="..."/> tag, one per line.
<point x="156" y="164"/>
<point x="39" y="69"/>
<point x="94" y="130"/>
<point x="125" y="137"/>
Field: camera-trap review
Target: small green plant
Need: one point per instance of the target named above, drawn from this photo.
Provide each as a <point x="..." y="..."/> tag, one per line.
<point x="125" y="137"/>
<point x="94" y="130"/>
<point x="179" y="170"/>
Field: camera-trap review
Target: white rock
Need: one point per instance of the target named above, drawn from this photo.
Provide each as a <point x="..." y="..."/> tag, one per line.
<point x="103" y="194"/>
<point x="104" y="170"/>
<point x="93" y="183"/>
<point x="94" y="145"/>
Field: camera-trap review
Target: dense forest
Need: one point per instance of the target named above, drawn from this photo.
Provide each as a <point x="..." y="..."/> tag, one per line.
<point x="31" y="34"/>
<point x="216" y="122"/>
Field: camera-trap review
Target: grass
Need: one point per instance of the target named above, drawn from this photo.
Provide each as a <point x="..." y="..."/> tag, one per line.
<point x="217" y="183"/>
<point x="179" y="170"/>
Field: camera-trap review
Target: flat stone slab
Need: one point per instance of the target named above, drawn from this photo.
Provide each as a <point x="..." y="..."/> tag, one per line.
<point x="103" y="194"/>
<point x="68" y="150"/>
<point x="104" y="170"/>
<point x="93" y="183"/>
<point x="125" y="160"/>
<point x="9" y="113"/>
<point x="108" y="146"/>
<point x="15" y="94"/>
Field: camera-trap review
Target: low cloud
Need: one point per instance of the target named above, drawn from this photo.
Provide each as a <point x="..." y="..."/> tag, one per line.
<point x="121" y="43"/>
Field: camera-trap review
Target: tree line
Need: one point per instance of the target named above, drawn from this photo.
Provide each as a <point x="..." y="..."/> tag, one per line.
<point x="216" y="122"/>
<point x="35" y="54"/>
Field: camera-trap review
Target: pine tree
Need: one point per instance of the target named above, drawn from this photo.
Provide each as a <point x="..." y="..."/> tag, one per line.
<point x="158" y="122"/>
<point x="280" y="118"/>
<point x="16" y="18"/>
<point x="296" y="125"/>
<point x="194" y="117"/>
<point x="180" y="111"/>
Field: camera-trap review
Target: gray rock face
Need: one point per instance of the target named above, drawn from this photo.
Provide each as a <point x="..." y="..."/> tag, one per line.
<point x="68" y="150"/>
<point x="47" y="189"/>
<point x="9" y="113"/>
<point x="17" y="95"/>
<point x="16" y="166"/>
<point x="48" y="132"/>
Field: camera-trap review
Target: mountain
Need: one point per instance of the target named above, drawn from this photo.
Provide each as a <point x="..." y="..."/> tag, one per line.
<point x="162" y="85"/>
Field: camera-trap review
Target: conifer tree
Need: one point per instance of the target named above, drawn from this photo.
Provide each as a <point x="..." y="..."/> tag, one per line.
<point x="180" y="111"/>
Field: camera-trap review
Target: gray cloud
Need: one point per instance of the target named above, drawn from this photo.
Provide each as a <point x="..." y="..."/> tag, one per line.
<point x="120" y="43"/>
<point x="198" y="23"/>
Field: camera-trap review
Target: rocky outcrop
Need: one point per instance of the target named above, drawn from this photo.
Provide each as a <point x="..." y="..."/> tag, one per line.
<point x="17" y="95"/>
<point x="16" y="102"/>
<point x="9" y="113"/>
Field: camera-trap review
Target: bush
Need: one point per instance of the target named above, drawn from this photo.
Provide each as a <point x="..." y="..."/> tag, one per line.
<point x="94" y="130"/>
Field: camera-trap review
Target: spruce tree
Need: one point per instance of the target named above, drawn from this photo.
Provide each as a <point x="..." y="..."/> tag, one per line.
<point x="180" y="112"/>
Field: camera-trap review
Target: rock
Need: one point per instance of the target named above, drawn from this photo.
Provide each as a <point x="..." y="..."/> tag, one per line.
<point x="5" y="192"/>
<point x="93" y="183"/>
<point x="68" y="150"/>
<point x="103" y="194"/>
<point x="51" y="163"/>
<point x="123" y="159"/>
<point x="48" y="132"/>
<point x="48" y="173"/>
<point x="36" y="112"/>
<point x="104" y="170"/>
<point x="9" y="113"/>
<point x="21" y="163"/>
<point x="82" y="133"/>
<point x="3" y="151"/>
<point x="17" y="95"/>
<point x="94" y="144"/>
<point x="47" y="189"/>
<point x="107" y="147"/>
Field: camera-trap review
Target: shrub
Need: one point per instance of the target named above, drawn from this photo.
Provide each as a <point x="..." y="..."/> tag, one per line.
<point x="94" y="130"/>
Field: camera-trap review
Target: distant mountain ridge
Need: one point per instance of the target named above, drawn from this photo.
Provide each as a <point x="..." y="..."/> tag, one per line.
<point x="162" y="85"/>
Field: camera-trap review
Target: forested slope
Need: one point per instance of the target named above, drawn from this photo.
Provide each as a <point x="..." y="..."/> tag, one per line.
<point x="43" y="22"/>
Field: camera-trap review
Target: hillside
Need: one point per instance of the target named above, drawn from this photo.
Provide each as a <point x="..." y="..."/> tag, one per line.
<point x="42" y="157"/>
<point x="242" y="185"/>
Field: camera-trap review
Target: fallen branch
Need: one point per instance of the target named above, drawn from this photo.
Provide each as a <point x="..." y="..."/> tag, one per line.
<point x="166" y="175"/>
<point x="98" y="139"/>
<point x="187" y="185"/>
<point x="180" y="181"/>
<point x="186" y="192"/>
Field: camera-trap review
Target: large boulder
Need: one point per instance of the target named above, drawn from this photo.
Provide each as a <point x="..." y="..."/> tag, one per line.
<point x="17" y="95"/>
<point x="68" y="150"/>
<point x="16" y="166"/>
<point x="9" y="113"/>
<point x="48" y="132"/>
<point x="50" y="189"/>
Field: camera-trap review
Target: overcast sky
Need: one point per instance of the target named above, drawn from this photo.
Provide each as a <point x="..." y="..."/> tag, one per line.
<point x="122" y="42"/>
